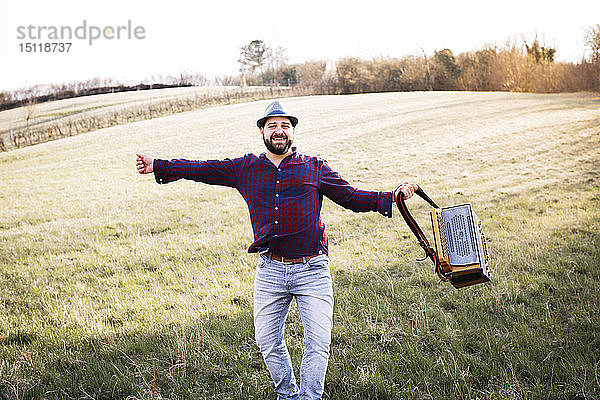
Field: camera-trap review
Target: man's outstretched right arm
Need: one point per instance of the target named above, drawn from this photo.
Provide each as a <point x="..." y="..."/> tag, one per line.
<point x="214" y="172"/>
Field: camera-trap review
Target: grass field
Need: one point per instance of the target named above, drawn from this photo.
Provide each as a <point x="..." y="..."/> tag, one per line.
<point x="78" y="105"/>
<point x="120" y="99"/>
<point x="112" y="286"/>
<point x="39" y="123"/>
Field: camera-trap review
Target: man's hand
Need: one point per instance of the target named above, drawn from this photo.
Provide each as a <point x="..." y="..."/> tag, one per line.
<point x="408" y="189"/>
<point x="144" y="164"/>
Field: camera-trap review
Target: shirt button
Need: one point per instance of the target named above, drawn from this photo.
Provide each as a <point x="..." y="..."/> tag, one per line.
<point x="277" y="181"/>
<point x="279" y="169"/>
<point x="276" y="208"/>
<point x="276" y="222"/>
<point x="277" y="195"/>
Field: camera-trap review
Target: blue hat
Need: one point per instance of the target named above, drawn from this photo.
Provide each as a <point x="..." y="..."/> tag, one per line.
<point x="276" y="109"/>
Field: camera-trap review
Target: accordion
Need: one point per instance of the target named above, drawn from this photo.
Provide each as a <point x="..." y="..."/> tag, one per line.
<point x="460" y="253"/>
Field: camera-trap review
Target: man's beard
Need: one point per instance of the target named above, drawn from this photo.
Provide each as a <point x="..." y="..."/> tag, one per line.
<point x="279" y="148"/>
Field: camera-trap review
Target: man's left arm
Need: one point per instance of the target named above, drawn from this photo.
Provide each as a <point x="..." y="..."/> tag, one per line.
<point x="341" y="192"/>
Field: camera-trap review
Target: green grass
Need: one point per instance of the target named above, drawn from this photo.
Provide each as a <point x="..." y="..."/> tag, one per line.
<point x="114" y="287"/>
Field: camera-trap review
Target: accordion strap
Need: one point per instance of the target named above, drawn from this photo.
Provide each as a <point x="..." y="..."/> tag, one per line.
<point x="418" y="232"/>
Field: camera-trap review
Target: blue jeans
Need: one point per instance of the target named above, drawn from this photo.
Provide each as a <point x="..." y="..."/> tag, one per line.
<point x="275" y="285"/>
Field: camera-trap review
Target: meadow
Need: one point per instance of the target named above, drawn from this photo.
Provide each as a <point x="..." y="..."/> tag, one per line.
<point x="42" y="122"/>
<point x="114" y="287"/>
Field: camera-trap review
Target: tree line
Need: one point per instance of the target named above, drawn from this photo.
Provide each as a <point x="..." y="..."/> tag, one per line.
<point x="43" y="93"/>
<point x="529" y="67"/>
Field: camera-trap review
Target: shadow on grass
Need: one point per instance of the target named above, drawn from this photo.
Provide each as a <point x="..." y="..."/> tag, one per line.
<point x="215" y="358"/>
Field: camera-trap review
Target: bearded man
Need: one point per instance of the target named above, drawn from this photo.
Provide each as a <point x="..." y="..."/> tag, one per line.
<point x="284" y="191"/>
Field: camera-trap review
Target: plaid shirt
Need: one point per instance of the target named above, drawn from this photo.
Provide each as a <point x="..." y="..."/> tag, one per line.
<point x="285" y="201"/>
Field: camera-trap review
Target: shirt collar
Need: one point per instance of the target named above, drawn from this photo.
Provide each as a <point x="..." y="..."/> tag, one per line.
<point x="291" y="156"/>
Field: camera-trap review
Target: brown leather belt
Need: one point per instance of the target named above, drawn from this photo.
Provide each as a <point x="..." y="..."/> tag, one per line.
<point x="276" y="257"/>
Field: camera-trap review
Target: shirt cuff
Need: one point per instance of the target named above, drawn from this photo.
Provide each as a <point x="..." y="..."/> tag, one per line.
<point x="385" y="204"/>
<point x="160" y="173"/>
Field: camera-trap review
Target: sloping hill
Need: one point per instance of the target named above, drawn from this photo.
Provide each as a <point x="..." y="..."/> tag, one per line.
<point x="113" y="285"/>
<point x="38" y="123"/>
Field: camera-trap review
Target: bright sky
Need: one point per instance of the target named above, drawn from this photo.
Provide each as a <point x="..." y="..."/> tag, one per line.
<point x="205" y="37"/>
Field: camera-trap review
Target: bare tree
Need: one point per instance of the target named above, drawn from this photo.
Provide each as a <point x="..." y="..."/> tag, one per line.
<point x="593" y="41"/>
<point x="228" y="80"/>
<point x="427" y="71"/>
<point x="30" y="108"/>
<point x="252" y="57"/>
<point x="277" y="57"/>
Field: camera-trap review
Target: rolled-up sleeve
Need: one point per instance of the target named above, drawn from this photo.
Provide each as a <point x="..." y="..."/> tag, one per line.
<point x="213" y="172"/>
<point x="341" y="192"/>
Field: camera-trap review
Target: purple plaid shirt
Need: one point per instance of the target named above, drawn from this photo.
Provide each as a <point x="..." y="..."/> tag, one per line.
<point x="285" y="201"/>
